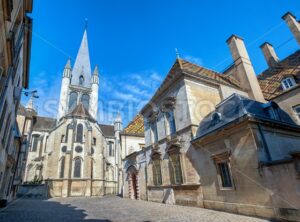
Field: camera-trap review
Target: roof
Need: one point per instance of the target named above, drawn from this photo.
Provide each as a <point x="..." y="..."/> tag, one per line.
<point x="136" y="126"/>
<point x="25" y="112"/>
<point x="82" y="64"/>
<point x="234" y="108"/>
<point x="108" y="130"/>
<point x="44" y="123"/>
<point x="81" y="112"/>
<point x="185" y="67"/>
<point x="270" y="79"/>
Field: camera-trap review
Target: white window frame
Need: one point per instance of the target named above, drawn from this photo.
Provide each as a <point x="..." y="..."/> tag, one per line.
<point x="288" y="83"/>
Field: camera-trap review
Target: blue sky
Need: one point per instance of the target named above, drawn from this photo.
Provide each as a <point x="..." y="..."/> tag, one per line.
<point x="133" y="43"/>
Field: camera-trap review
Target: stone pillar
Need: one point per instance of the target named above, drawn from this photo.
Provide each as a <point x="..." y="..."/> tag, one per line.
<point x="89" y="167"/>
<point x="269" y="54"/>
<point x="65" y="186"/>
<point x="244" y="70"/>
<point x="293" y="24"/>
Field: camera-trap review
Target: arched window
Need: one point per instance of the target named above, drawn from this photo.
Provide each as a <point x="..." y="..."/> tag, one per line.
<point x="81" y="80"/>
<point x="156" y="168"/>
<point x="79" y="133"/>
<point x="62" y="167"/>
<point x="110" y="148"/>
<point x="67" y="133"/>
<point x="85" y="99"/>
<point x="77" y="168"/>
<point x="73" y="100"/>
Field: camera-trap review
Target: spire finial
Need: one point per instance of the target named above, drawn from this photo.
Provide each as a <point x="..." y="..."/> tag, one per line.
<point x="177" y="53"/>
<point x="86" y="21"/>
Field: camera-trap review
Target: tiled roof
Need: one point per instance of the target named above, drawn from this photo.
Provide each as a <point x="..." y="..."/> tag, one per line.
<point x="270" y="79"/>
<point x="80" y="111"/>
<point x="197" y="70"/>
<point x="108" y="130"/>
<point x="43" y="123"/>
<point x="136" y="126"/>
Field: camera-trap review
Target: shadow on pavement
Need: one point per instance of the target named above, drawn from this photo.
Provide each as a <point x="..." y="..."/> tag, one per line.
<point x="36" y="210"/>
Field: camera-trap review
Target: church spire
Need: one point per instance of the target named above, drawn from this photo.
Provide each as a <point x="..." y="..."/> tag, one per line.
<point x="82" y="67"/>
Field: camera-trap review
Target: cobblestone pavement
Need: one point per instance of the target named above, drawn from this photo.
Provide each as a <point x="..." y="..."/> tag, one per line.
<point x="109" y="209"/>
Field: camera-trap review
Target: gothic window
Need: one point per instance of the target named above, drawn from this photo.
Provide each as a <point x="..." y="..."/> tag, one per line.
<point x="62" y="138"/>
<point x="85" y="99"/>
<point x="110" y="148"/>
<point x="153" y="126"/>
<point x="73" y="100"/>
<point x="156" y="168"/>
<point x="81" y="80"/>
<point x="171" y="122"/>
<point x="67" y="133"/>
<point x="77" y="168"/>
<point x="62" y="167"/>
<point x="94" y="141"/>
<point x="35" y="139"/>
<point x="175" y="168"/>
<point x="79" y="133"/>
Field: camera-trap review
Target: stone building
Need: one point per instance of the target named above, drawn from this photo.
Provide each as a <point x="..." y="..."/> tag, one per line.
<point x="15" y="44"/>
<point x="220" y="140"/>
<point x="132" y="141"/>
<point x="73" y="153"/>
<point x="280" y="82"/>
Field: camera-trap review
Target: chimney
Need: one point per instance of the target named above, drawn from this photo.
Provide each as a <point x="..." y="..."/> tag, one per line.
<point x="293" y="24"/>
<point x="270" y="54"/>
<point x="244" y="70"/>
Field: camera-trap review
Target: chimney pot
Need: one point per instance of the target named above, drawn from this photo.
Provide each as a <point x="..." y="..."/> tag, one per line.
<point x="269" y="54"/>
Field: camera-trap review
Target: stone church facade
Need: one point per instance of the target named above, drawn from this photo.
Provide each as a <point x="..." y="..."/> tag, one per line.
<point x="73" y="153"/>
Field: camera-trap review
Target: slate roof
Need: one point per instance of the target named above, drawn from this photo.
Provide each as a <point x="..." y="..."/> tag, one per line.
<point x="234" y="108"/>
<point x="270" y="79"/>
<point x="108" y="130"/>
<point x="136" y="126"/>
<point x="44" y="123"/>
<point x="80" y="112"/>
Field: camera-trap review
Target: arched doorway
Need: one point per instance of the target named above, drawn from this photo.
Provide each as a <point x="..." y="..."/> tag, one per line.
<point x="133" y="186"/>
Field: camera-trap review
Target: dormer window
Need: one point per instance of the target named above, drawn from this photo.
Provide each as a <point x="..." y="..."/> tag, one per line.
<point x="81" y="80"/>
<point x="288" y="83"/>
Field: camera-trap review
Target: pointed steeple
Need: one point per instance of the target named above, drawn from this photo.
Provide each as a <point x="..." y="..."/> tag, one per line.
<point x="30" y="105"/>
<point x="96" y="71"/>
<point x="68" y="64"/>
<point x="82" y="66"/>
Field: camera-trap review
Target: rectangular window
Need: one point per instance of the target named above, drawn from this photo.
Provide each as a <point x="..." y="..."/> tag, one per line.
<point x="94" y="141"/>
<point x="6" y="129"/>
<point x="62" y="167"/>
<point x="171" y="122"/>
<point x="225" y="175"/>
<point x="154" y="131"/>
<point x="35" y="139"/>
<point x="175" y="169"/>
<point x="156" y="168"/>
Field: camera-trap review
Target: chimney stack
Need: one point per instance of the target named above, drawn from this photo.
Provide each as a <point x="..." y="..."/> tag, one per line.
<point x="244" y="70"/>
<point x="270" y="54"/>
<point x="293" y="24"/>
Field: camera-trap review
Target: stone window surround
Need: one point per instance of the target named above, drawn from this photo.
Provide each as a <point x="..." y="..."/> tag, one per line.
<point x="156" y="155"/>
<point x="223" y="157"/>
<point x="176" y="149"/>
<point x="81" y="167"/>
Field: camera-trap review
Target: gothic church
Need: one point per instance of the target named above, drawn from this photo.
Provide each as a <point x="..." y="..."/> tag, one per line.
<point x="75" y="154"/>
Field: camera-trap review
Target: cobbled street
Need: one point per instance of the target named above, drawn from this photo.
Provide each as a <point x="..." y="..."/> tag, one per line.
<point x="109" y="209"/>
